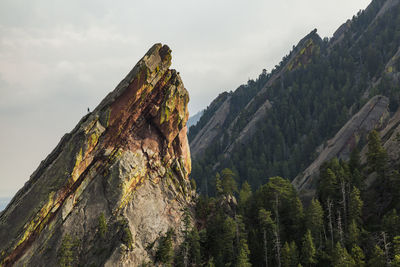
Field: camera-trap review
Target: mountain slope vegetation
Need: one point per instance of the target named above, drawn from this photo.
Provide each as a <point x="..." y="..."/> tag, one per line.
<point x="274" y="125"/>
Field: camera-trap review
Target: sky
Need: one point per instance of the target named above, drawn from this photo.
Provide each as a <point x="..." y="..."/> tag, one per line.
<point x="57" y="58"/>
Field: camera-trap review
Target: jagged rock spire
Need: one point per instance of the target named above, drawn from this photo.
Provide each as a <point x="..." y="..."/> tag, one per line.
<point x="127" y="161"/>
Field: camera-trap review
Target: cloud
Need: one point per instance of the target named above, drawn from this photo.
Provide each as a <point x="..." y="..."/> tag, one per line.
<point x="59" y="57"/>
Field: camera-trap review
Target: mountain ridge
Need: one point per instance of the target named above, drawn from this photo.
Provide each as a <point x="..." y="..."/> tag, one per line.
<point x="349" y="69"/>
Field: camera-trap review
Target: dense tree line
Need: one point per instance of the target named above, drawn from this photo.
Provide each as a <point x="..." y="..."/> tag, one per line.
<point x="345" y="224"/>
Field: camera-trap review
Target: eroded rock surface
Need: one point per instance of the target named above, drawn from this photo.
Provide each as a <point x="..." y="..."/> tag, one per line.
<point x="126" y="163"/>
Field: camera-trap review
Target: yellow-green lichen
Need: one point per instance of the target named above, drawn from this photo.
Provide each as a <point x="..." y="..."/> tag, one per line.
<point x="91" y="125"/>
<point x="79" y="157"/>
<point x="93" y="139"/>
<point x="164" y="116"/>
<point x="41" y="217"/>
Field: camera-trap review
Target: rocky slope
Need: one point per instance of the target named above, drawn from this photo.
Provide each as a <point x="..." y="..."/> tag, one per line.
<point x="113" y="184"/>
<point x="194" y="119"/>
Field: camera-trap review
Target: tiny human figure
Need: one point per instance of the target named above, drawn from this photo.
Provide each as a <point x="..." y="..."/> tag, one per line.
<point x="88" y="110"/>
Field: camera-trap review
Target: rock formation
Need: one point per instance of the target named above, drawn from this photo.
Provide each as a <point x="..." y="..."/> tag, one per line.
<point x="113" y="184"/>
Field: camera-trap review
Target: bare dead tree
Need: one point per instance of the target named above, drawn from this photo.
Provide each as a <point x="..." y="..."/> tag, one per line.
<point x="343" y="202"/>
<point x="386" y="247"/>
<point x="329" y="205"/>
<point x="265" y="247"/>
<point x="339" y="227"/>
<point x="277" y="236"/>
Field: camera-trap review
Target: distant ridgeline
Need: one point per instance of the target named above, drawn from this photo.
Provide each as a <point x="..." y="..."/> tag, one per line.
<point x="327" y="120"/>
<point x="278" y="123"/>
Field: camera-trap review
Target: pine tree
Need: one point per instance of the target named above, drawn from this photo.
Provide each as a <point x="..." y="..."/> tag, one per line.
<point x="341" y="258"/>
<point x="102" y="225"/>
<point x="243" y="255"/>
<point x="355" y="206"/>
<point x="353" y="234"/>
<point x="315" y="220"/>
<point x="358" y="256"/>
<point x="266" y="223"/>
<point x="294" y="254"/>
<point x="377" y="258"/>
<point x="227" y="239"/>
<point x="218" y="185"/>
<point x="396" y="245"/>
<point x="290" y="255"/>
<point x="245" y="193"/>
<point x="396" y="261"/>
<point x="308" y="252"/>
<point x="391" y="223"/>
<point x="210" y="263"/>
<point x="355" y="159"/>
<point x="228" y="182"/>
<point x="286" y="255"/>
<point x="66" y="252"/>
<point x="376" y="155"/>
<point x="165" y="253"/>
<point x="328" y="186"/>
<point x="194" y="247"/>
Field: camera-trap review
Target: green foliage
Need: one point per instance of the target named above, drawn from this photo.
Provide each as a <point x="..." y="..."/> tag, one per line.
<point x="189" y="252"/>
<point x="377" y="257"/>
<point x="194" y="247"/>
<point x="228" y="182"/>
<point x="358" y="256"/>
<point x="308" y="252"/>
<point x="315" y="219"/>
<point x="165" y="252"/>
<point x="125" y="233"/>
<point x="102" y="225"/>
<point x="218" y="184"/>
<point x="290" y="255"/>
<point x="67" y="252"/>
<point x="341" y="258"/>
<point x="391" y="222"/>
<point x="376" y="155"/>
<point x="245" y="193"/>
<point x="355" y="205"/>
<point x="396" y="261"/>
<point x="210" y="263"/>
<point x="243" y="255"/>
<point x="353" y="234"/>
<point x="273" y="215"/>
<point x="396" y="245"/>
<point x="127" y="237"/>
<point x="264" y="218"/>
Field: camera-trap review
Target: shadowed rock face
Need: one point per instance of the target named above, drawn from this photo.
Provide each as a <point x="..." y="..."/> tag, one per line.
<point x="128" y="161"/>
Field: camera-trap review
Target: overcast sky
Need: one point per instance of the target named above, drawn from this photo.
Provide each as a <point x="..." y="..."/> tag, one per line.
<point x="57" y="58"/>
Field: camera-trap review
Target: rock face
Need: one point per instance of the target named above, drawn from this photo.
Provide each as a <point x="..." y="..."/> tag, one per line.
<point x="112" y="185"/>
<point x="211" y="130"/>
<point x="373" y="114"/>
